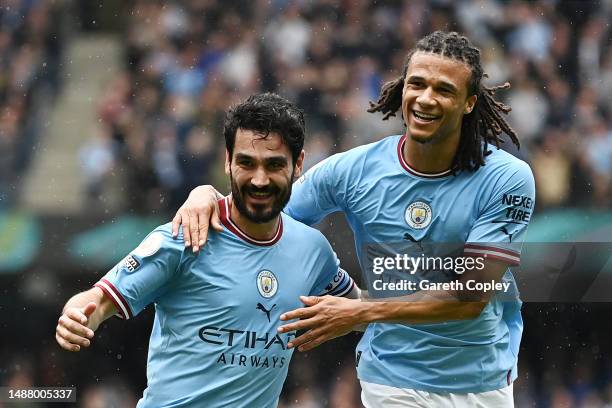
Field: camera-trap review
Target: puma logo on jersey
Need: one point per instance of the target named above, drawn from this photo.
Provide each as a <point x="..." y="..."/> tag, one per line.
<point x="263" y="309"/>
<point x="410" y="238"/>
<point x="505" y="231"/>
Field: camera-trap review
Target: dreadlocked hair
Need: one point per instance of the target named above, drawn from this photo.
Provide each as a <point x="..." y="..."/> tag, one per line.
<point x="484" y="125"/>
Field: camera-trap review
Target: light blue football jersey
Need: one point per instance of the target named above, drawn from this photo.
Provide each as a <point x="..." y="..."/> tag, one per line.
<point x="386" y="201"/>
<point x="214" y="341"/>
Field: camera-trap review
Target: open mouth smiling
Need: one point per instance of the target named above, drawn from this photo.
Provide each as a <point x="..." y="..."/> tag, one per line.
<point x="425" y="117"/>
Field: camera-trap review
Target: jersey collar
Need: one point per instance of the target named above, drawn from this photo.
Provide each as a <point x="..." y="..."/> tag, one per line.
<point x="414" y="172"/>
<point x="224" y="209"/>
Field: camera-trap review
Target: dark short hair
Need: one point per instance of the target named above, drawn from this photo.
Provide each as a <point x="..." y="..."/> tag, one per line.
<point x="263" y="114"/>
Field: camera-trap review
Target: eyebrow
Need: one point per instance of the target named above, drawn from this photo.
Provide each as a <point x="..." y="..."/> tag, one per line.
<point x="242" y="156"/>
<point x="443" y="84"/>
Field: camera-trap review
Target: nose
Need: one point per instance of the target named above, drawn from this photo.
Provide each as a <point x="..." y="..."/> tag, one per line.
<point x="260" y="178"/>
<point x="426" y="98"/>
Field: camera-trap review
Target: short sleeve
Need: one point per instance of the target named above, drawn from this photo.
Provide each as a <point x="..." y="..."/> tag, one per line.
<point x="332" y="280"/>
<point x="143" y="275"/>
<point x="500" y="229"/>
<point x="314" y="195"/>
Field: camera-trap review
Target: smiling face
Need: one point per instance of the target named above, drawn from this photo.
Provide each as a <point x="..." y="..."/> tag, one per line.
<point x="435" y="97"/>
<point x="261" y="172"/>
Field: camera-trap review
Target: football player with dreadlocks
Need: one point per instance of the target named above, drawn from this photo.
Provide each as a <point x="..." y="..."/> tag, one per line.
<point x="445" y="180"/>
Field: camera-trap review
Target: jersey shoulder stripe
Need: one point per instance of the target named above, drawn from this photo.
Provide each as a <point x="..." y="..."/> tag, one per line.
<point x="500" y="254"/>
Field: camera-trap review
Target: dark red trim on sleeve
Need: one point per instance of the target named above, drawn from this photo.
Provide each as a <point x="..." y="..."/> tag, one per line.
<point x="116" y="297"/>
<point x="500" y="254"/>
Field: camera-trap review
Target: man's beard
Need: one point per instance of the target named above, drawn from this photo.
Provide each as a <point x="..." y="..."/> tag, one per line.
<point x="265" y="213"/>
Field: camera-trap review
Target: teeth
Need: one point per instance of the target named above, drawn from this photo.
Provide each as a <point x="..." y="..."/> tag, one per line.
<point x="424" y="116"/>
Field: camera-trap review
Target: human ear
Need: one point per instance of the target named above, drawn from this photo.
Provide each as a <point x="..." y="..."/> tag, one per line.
<point x="470" y="104"/>
<point x="227" y="163"/>
<point x="299" y="165"/>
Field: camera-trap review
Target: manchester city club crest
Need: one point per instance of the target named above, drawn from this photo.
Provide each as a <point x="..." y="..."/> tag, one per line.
<point x="267" y="284"/>
<point x="418" y="215"/>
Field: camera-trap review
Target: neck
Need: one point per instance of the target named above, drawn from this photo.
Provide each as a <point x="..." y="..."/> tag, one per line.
<point x="432" y="157"/>
<point x="260" y="231"/>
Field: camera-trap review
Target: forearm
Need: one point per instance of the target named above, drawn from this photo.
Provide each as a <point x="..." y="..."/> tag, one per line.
<point x="417" y="308"/>
<point x="423" y="307"/>
<point x="105" y="308"/>
<point x="357" y="293"/>
<point x="418" y="312"/>
<point x="435" y="306"/>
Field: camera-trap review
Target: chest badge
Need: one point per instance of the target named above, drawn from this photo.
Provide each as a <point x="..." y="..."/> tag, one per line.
<point x="267" y="284"/>
<point x="418" y="215"/>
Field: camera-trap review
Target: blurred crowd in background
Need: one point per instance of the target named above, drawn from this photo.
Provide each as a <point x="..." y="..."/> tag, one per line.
<point x="30" y="51"/>
<point x="186" y="62"/>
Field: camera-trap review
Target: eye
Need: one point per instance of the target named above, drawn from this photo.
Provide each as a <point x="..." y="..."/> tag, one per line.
<point x="276" y="165"/>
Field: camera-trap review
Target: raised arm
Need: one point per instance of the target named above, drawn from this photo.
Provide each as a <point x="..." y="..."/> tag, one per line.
<point x="328" y="317"/>
<point x="81" y="316"/>
<point x="325" y="317"/>
<point x="196" y="215"/>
